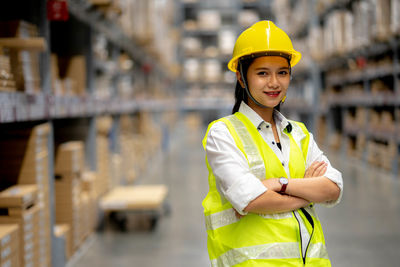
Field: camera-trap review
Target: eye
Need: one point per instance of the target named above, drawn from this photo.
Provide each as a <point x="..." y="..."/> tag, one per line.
<point x="283" y="72"/>
<point x="262" y="73"/>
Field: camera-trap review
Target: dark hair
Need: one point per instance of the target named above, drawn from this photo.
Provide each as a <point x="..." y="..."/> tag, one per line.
<point x="240" y="93"/>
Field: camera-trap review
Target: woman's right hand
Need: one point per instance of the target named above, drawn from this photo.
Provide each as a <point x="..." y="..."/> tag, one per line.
<point x="316" y="169"/>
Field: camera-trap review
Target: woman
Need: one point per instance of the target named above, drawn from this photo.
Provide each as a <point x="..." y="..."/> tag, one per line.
<point x="258" y="211"/>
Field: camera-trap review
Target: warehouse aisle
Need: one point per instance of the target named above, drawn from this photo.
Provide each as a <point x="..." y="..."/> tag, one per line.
<point x="364" y="230"/>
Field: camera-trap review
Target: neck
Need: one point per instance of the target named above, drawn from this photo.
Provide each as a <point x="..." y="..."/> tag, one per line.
<point x="265" y="113"/>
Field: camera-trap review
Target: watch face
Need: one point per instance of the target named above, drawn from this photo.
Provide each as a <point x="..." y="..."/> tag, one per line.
<point x="283" y="180"/>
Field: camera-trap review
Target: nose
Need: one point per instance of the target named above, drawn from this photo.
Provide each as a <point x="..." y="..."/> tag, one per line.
<point x="273" y="81"/>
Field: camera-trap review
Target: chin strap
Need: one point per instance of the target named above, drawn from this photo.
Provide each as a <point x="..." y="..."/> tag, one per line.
<point x="246" y="89"/>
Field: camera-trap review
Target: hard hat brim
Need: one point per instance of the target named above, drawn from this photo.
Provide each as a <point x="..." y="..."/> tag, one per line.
<point x="295" y="57"/>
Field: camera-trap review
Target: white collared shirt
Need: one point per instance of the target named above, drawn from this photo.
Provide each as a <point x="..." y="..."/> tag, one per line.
<point x="230" y="167"/>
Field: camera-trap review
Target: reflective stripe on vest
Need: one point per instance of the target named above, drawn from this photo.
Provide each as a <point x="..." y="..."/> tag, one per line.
<point x="227" y="217"/>
<point x="260" y="252"/>
<point x="268" y="251"/>
<point x="256" y="162"/>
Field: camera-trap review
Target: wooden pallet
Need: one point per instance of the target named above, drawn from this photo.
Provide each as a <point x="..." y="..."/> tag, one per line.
<point x="149" y="199"/>
<point x="134" y="198"/>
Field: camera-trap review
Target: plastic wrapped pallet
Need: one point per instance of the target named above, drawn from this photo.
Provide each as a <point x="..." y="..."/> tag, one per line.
<point x="395" y="17"/>
<point x="209" y="19"/>
<point x="363" y="19"/>
<point x="212" y="70"/>
<point x="381" y="29"/>
<point x="192" y="70"/>
<point x="316" y="43"/>
<point x="226" y="41"/>
<point x="191" y="46"/>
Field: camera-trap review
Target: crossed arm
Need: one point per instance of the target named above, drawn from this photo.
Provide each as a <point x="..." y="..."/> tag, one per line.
<point x="299" y="192"/>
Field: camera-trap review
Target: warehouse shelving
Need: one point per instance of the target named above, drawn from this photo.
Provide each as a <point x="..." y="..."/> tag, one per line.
<point x="355" y="83"/>
<point x="78" y="116"/>
<point x="231" y="18"/>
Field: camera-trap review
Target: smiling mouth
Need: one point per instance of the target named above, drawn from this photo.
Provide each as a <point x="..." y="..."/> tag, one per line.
<point x="272" y="94"/>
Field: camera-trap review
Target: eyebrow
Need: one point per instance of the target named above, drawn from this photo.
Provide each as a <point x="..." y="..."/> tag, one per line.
<point x="264" y="68"/>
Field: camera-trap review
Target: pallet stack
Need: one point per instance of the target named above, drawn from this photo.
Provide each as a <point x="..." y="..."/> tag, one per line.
<point x="25" y="155"/>
<point x="19" y="203"/>
<point x="68" y="170"/>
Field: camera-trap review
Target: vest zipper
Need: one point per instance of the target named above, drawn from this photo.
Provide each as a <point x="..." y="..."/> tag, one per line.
<point x="301" y="239"/>
<point x="311" y="221"/>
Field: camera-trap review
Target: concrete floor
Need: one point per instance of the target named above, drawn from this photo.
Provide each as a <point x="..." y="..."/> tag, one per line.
<point x="364" y="230"/>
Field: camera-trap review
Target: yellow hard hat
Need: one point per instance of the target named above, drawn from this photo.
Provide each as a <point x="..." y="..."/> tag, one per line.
<point x="261" y="37"/>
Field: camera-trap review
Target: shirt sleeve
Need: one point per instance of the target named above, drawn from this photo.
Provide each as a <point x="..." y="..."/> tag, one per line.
<point x="315" y="154"/>
<point x="230" y="168"/>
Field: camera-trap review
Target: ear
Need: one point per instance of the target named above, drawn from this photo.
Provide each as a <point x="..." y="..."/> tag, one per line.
<point x="239" y="78"/>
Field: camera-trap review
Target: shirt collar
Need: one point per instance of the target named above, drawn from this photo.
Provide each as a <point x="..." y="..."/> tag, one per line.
<point x="281" y="121"/>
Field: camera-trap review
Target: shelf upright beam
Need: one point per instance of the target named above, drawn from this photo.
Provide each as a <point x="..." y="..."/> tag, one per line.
<point x="44" y="31"/>
<point x="57" y="244"/>
<point x="91" y="148"/>
<point x="315" y="74"/>
<point x="395" y="43"/>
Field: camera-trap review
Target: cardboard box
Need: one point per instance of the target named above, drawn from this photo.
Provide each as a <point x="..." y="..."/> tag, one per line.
<point x="9" y="242"/>
<point x="19" y="196"/>
<point x="29" y="233"/>
<point x="13" y="261"/>
<point x="70" y="157"/>
<point x="73" y="69"/>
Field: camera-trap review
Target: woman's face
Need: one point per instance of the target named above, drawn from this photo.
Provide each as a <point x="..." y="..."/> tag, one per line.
<point x="268" y="79"/>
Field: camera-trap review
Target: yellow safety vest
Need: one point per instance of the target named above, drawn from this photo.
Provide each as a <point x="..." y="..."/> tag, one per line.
<point x="257" y="239"/>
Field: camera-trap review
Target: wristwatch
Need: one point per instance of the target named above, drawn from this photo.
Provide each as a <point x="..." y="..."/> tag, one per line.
<point x="284" y="182"/>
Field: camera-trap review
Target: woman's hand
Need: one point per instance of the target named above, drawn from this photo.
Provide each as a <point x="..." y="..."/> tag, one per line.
<point x="316" y="169"/>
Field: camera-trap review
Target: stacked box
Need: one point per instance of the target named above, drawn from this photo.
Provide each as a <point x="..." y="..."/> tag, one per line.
<point x="63" y="231"/>
<point x="129" y="169"/>
<point x="71" y="74"/>
<point x="382" y="19"/>
<point x="395" y="17"/>
<point x="7" y="82"/>
<point x="18" y="202"/>
<point x="89" y="180"/>
<point x="68" y="170"/>
<point x="9" y="245"/>
<point x="103" y="154"/>
<point x="24" y="64"/>
<point x="25" y="161"/>
<point x="381" y="155"/>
